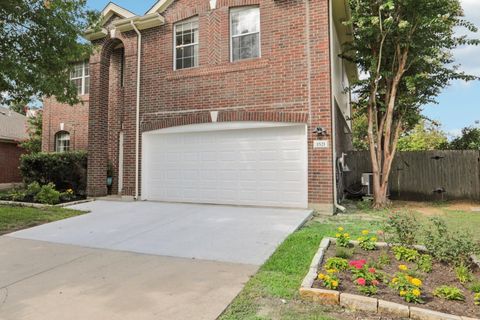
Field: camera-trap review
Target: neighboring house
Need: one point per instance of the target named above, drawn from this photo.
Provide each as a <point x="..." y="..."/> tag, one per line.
<point x="13" y="130"/>
<point x="231" y="101"/>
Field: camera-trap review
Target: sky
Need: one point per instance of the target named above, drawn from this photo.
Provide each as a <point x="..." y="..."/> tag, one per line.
<point x="458" y="105"/>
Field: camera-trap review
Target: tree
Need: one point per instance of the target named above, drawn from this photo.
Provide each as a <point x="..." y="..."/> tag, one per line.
<point x="34" y="142"/>
<point x="39" y="41"/>
<point x="469" y="140"/>
<point x="18" y="107"/>
<point x="405" y="49"/>
<point x="426" y="135"/>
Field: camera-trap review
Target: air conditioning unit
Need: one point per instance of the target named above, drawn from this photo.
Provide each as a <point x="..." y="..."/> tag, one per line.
<point x="367" y="183"/>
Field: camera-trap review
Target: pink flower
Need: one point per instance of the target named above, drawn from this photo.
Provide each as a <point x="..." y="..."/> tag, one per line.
<point x="358" y="264"/>
<point x="361" y="281"/>
<point x="372" y="270"/>
<point x="375" y="282"/>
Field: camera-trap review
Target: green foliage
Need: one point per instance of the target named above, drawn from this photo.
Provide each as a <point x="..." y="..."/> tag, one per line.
<point x="368" y="290"/>
<point x="39" y="40"/>
<point x="34" y="142"/>
<point x="463" y="273"/>
<point x="469" y="140"/>
<point x="448" y="246"/>
<point x="384" y="260"/>
<point x="402" y="228"/>
<point x="408" y="288"/>
<point x="367" y="242"/>
<point x="475" y="286"/>
<point x="66" y="170"/>
<point x="18" y="107"/>
<point x="342" y="238"/>
<point x="339" y="264"/>
<point x="449" y="293"/>
<point x="424" y="263"/>
<point x="405" y="254"/>
<point x="426" y="135"/>
<point x="343" y="252"/>
<point x="405" y="50"/>
<point x="48" y="195"/>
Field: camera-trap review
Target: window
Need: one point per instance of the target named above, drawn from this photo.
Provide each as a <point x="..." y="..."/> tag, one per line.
<point x="245" y="33"/>
<point x="186" y="44"/>
<point x="62" y="141"/>
<point x="80" y="76"/>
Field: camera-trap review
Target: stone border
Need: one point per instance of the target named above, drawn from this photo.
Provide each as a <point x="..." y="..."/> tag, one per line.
<point x="363" y="303"/>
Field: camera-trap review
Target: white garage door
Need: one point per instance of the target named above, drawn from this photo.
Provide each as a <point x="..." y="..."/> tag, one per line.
<point x="245" y="163"/>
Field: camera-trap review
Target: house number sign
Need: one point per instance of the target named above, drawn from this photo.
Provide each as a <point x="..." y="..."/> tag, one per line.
<point x="320" y="144"/>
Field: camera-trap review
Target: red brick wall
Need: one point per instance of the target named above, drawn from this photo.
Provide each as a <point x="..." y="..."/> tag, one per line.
<point x="9" y="162"/>
<point x="290" y="82"/>
<point x="74" y="118"/>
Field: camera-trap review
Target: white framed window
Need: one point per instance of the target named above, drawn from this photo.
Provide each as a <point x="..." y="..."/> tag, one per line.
<point x="185" y="36"/>
<point x="80" y="77"/>
<point x="62" y="141"/>
<point x="244" y="33"/>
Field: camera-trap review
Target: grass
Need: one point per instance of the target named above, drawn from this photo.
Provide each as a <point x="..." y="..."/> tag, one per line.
<point x="273" y="292"/>
<point x="15" y="218"/>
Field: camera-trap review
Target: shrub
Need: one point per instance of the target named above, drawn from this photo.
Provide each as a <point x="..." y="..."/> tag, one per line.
<point x="402" y="229"/>
<point x="366" y="241"/>
<point x="48" y="195"/>
<point x="475" y="286"/>
<point x="339" y="264"/>
<point x="66" y="170"/>
<point x="424" y="263"/>
<point x="405" y="254"/>
<point x="463" y="273"/>
<point x="449" y="293"/>
<point x="343" y="238"/>
<point x="448" y="246"/>
<point x="408" y="287"/>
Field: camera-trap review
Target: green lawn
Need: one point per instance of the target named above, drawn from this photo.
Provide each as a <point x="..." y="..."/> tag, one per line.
<point x="273" y="292"/>
<point x="16" y="218"/>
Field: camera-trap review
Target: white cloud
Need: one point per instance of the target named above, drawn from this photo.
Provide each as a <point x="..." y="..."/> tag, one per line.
<point x="467" y="56"/>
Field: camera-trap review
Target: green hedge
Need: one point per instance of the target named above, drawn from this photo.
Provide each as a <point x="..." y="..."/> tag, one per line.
<point x="66" y="170"/>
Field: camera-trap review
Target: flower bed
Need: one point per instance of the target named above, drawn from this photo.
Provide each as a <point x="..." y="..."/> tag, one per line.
<point x="407" y="279"/>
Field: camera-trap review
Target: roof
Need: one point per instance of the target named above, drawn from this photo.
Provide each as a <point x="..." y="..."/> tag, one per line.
<point x="113" y="8"/>
<point x="13" y="126"/>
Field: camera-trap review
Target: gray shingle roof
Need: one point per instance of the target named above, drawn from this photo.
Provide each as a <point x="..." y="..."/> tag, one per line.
<point x="13" y="126"/>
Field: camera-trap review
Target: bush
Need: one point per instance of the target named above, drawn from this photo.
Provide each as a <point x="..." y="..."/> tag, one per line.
<point x="424" y="263"/>
<point x="339" y="264"/>
<point x="475" y="286"/>
<point x="402" y="229"/>
<point x="449" y="293"/>
<point x="405" y="254"/>
<point x="48" y="195"/>
<point x="463" y="273"/>
<point x="65" y="170"/>
<point x="448" y="246"/>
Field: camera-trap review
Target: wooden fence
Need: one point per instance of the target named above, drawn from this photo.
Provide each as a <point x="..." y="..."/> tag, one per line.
<point x="423" y="175"/>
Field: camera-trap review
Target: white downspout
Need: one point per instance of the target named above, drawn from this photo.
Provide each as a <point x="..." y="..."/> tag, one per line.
<point x="333" y="111"/>
<point x="137" y="119"/>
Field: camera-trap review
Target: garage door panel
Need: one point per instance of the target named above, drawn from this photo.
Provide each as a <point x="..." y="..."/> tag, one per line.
<point x="260" y="166"/>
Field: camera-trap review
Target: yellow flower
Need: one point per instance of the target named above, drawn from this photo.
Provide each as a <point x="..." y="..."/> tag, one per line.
<point x="416" y="282"/>
<point x="346" y="235"/>
<point x="321" y="276"/>
<point x="338" y="235"/>
<point x="416" y="292"/>
<point x="403" y="267"/>
<point x="403" y="293"/>
<point x="331" y="271"/>
<point x="394" y="280"/>
<point x="340" y="229"/>
<point x="374" y="239"/>
<point x="334" y="283"/>
<point x="365" y="232"/>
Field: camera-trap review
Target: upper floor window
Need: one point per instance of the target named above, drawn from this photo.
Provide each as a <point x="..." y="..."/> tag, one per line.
<point x="186" y="44"/>
<point x="80" y="76"/>
<point x="62" y="141"/>
<point x="245" y="33"/>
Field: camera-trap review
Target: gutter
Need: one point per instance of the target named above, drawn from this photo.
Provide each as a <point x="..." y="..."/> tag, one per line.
<point x="137" y="106"/>
<point x="333" y="118"/>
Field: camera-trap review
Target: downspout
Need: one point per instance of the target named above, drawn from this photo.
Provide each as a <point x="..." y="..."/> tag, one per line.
<point x="333" y="110"/>
<point x="137" y="106"/>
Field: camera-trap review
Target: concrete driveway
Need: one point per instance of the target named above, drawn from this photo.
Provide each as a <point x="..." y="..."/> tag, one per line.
<point x="138" y="260"/>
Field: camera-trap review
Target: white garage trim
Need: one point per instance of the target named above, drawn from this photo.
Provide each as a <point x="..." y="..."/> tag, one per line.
<point x="239" y="163"/>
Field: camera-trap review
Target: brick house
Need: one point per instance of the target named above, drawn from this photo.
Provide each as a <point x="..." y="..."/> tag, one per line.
<point x="215" y="101"/>
<point x="13" y="130"/>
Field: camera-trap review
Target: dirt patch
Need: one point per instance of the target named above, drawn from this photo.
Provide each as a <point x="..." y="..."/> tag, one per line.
<point x="442" y="274"/>
<point x="435" y="209"/>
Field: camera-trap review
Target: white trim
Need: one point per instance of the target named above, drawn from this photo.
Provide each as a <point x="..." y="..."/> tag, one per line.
<point x="218" y="126"/>
<point x="245" y="34"/>
<point x="83" y="77"/>
<point x="112" y="9"/>
<point x="120" y="162"/>
<point x="160" y="6"/>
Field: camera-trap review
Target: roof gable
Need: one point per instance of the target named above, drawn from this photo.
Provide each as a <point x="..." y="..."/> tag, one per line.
<point x="113" y="9"/>
<point x="160" y="6"/>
